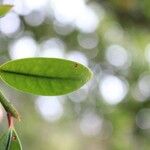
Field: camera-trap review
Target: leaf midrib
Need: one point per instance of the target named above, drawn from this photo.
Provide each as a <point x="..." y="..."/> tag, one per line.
<point x="40" y="76"/>
<point x="9" y="140"/>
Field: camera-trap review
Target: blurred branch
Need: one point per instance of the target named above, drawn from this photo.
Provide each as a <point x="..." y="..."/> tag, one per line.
<point x="125" y="13"/>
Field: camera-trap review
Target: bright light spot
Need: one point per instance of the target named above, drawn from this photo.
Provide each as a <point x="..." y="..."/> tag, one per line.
<point x="81" y="15"/>
<point x="63" y="29"/>
<point x="52" y="48"/>
<point x="87" y="21"/>
<point x="10" y="23"/>
<point x="79" y="95"/>
<point x="24" y="7"/>
<point x="143" y="118"/>
<point x="88" y="41"/>
<point x="113" y="89"/>
<point x="114" y="33"/>
<point x="144" y="85"/>
<point x="136" y="93"/>
<point x="19" y="6"/>
<point x="50" y="107"/>
<point x="91" y="124"/>
<point x="78" y="57"/>
<point x="147" y="53"/>
<point x="35" y="18"/>
<point x="66" y="11"/>
<point x="36" y="4"/>
<point x="24" y="47"/>
<point x="117" y="55"/>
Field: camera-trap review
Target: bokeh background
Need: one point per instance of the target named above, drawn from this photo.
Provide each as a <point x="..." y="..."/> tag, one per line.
<point x="112" y="37"/>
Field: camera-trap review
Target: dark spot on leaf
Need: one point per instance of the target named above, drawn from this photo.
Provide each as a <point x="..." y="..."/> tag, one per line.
<point x="14" y="138"/>
<point x="76" y="65"/>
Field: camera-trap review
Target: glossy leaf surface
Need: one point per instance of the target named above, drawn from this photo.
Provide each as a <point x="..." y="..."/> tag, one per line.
<point x="4" y="9"/>
<point x="45" y="76"/>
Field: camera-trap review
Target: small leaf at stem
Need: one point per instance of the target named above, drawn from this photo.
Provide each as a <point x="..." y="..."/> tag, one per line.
<point x="15" y="143"/>
<point x="45" y="76"/>
<point x="4" y="140"/>
<point x="10" y="141"/>
<point x="5" y="9"/>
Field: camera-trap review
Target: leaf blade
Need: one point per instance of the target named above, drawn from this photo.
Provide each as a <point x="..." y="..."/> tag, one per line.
<point x="10" y="140"/>
<point x="5" y="140"/>
<point x="45" y="76"/>
<point x="15" y="143"/>
<point x="4" y="9"/>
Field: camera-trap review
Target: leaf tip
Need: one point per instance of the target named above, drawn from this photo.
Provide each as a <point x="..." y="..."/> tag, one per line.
<point x="4" y="9"/>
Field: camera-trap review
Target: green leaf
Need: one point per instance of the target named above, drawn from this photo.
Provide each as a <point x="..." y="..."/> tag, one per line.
<point x="4" y="9"/>
<point x="45" y="76"/>
<point x="10" y="141"/>
<point x="15" y="143"/>
<point x="4" y="140"/>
